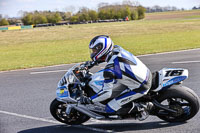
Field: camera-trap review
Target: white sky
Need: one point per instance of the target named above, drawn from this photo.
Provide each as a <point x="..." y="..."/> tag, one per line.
<point x="12" y="7"/>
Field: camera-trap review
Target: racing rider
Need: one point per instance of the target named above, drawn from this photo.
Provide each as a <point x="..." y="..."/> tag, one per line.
<point x="122" y="68"/>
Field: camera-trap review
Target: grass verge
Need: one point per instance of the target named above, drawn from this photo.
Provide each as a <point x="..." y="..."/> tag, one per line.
<point x="63" y="44"/>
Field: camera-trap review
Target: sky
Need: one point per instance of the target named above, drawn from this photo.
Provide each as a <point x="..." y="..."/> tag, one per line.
<point x="13" y="8"/>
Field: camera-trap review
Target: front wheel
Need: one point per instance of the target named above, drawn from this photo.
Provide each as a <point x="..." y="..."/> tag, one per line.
<point x="58" y="109"/>
<point x="181" y="99"/>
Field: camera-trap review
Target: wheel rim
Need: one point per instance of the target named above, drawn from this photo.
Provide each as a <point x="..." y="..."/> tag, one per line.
<point x="61" y="114"/>
<point x="182" y="106"/>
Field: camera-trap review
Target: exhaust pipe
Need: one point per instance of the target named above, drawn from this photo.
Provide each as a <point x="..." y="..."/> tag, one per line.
<point x="89" y="113"/>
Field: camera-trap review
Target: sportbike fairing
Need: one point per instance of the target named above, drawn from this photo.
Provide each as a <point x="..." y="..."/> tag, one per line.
<point x="170" y="76"/>
<point x="62" y="91"/>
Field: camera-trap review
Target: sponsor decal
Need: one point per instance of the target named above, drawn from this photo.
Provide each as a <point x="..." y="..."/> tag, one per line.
<point x="62" y="92"/>
<point x="126" y="100"/>
<point x="100" y="83"/>
<point x="174" y="80"/>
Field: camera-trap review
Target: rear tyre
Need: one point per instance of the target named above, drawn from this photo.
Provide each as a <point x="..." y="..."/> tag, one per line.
<point x="181" y="99"/>
<point x="58" y="109"/>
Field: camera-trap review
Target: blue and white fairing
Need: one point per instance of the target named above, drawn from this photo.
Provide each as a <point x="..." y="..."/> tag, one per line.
<point x="171" y="76"/>
<point x="97" y="81"/>
<point x="62" y="90"/>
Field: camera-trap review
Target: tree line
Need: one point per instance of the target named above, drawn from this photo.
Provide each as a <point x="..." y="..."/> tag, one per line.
<point x="37" y="17"/>
<point x="85" y="15"/>
<point x="105" y="11"/>
<point x="3" y="21"/>
<point x="109" y="12"/>
<point x="196" y="7"/>
<point x="157" y="8"/>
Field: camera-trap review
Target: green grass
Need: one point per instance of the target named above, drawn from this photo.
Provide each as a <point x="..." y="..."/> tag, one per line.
<point x="194" y="16"/>
<point x="61" y="44"/>
<point x="185" y="12"/>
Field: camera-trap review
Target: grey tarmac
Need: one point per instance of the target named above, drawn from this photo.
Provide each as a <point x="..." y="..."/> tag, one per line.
<point x="25" y="96"/>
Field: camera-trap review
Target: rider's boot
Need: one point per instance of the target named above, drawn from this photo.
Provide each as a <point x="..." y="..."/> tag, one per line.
<point x="143" y="110"/>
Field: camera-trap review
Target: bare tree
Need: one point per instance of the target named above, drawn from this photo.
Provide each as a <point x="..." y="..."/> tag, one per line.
<point x="174" y="8"/>
<point x="20" y="13"/>
<point x="102" y="4"/>
<point x="131" y="3"/>
<point x="6" y="16"/>
<point x="1" y="16"/>
<point x="83" y="9"/>
<point x="127" y="2"/>
<point x="70" y="9"/>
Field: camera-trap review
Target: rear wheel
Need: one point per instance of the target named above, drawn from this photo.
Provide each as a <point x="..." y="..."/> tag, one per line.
<point x="58" y="109"/>
<point x="181" y="99"/>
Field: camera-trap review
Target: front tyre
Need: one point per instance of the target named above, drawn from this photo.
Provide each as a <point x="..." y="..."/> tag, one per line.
<point x="58" y="109"/>
<point x="181" y="99"/>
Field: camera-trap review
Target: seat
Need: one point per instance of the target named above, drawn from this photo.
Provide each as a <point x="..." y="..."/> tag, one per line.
<point x="155" y="80"/>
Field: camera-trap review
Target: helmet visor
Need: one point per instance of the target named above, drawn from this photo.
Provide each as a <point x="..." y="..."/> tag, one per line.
<point x="96" y="50"/>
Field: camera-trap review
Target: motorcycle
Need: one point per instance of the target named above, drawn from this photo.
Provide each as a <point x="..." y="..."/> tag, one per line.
<point x="167" y="98"/>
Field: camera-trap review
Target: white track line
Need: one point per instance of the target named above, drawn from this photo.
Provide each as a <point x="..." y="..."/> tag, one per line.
<point x="54" y="122"/>
<point x="185" y="62"/>
<point x="169" y="52"/>
<point x="97" y="121"/>
<point x="43" y="72"/>
<point x="29" y="117"/>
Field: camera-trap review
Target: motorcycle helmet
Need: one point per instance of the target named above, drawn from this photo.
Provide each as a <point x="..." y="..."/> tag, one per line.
<point x="100" y="47"/>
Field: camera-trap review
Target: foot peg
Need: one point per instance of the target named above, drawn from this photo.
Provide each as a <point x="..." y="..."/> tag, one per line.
<point x="143" y="110"/>
<point x="142" y="115"/>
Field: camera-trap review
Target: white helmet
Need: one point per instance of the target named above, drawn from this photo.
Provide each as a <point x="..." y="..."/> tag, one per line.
<point x="100" y="46"/>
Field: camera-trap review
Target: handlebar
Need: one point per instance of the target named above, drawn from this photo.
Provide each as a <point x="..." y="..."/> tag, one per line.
<point x="87" y="65"/>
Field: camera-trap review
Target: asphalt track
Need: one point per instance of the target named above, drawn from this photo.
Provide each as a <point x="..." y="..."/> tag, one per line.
<point x="25" y="96"/>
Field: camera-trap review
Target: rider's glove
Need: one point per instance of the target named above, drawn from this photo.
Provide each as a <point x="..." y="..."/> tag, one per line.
<point x="89" y="64"/>
<point x="83" y="67"/>
<point x="85" y="100"/>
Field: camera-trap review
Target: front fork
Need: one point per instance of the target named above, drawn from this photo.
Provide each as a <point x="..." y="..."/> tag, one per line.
<point x="68" y="109"/>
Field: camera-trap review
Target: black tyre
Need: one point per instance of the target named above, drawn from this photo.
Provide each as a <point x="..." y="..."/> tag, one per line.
<point x="58" y="109"/>
<point x="179" y="98"/>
